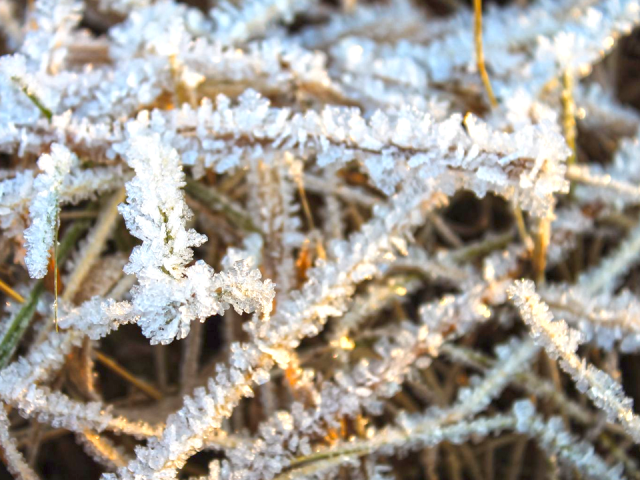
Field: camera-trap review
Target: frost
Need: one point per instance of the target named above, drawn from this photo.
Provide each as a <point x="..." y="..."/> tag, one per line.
<point x="350" y="175"/>
<point x="44" y="208"/>
<point x="561" y="343"/>
<point x="155" y="211"/>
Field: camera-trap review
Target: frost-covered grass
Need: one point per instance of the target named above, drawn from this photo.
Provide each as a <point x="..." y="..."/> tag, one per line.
<point x="286" y="239"/>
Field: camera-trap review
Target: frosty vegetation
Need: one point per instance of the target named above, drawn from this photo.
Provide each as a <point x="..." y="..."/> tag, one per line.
<point x="287" y="239"/>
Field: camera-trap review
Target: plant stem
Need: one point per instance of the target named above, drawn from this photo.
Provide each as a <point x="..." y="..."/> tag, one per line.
<point x="143" y="386"/>
<point x="220" y="203"/>
<point x="540" y="251"/>
<point x="55" y="267"/>
<point x="48" y="114"/>
<point x="21" y="321"/>
<point x="11" y="292"/>
<point x="569" y="118"/>
<point x="477" y="35"/>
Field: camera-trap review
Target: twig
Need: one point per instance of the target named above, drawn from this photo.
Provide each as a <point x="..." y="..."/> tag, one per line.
<point x="11" y="292"/>
<point x="477" y="36"/>
<point x="48" y="114"/>
<point x="190" y="358"/>
<point x="55" y="266"/>
<point x="522" y="229"/>
<point x="569" y="114"/>
<point x="20" y="322"/>
<point x="543" y="237"/>
<point x="95" y="243"/>
<point x="218" y="202"/>
<point x="122" y="372"/>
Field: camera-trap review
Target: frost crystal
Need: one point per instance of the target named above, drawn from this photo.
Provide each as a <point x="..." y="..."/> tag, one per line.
<point x="235" y="176"/>
<point x="561" y="343"/>
<point x="44" y="208"/>
<point x="156" y="212"/>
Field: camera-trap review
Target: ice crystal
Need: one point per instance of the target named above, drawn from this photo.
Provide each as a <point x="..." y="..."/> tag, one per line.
<point x="234" y="177"/>
<point x="561" y="342"/>
<point x="155" y="211"/>
<point x="44" y="208"/>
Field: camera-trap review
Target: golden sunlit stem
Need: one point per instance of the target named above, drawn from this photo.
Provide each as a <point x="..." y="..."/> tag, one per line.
<point x="569" y="127"/>
<point x="20" y="322"/>
<point x="569" y="117"/>
<point x="477" y="35"/>
<point x="482" y="69"/>
<point x="522" y="229"/>
<point x="305" y="203"/>
<point x="96" y="241"/>
<point x="11" y="292"/>
<point x="540" y="251"/>
<point x="297" y="176"/>
<point x="143" y="386"/>
<point x="296" y="173"/>
<point x="569" y="114"/>
<point x="55" y="268"/>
